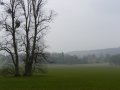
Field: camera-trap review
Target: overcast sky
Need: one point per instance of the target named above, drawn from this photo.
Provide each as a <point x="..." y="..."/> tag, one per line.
<point x="84" y="25"/>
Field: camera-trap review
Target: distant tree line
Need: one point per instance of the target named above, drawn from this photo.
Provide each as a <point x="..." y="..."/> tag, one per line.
<point x="61" y="58"/>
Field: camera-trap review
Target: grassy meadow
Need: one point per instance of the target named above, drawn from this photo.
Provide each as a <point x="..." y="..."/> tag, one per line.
<point x="70" y="77"/>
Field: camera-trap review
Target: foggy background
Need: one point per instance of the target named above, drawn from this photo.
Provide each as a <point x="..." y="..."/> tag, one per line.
<point x="84" y="25"/>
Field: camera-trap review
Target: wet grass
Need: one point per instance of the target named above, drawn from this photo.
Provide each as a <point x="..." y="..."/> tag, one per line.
<point x="67" y="78"/>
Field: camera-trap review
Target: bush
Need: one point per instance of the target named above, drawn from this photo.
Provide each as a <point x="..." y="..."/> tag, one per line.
<point x="40" y="68"/>
<point x="7" y="71"/>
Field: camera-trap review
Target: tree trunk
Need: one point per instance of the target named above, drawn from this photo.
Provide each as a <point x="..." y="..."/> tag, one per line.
<point x="17" y="74"/>
<point x="28" y="69"/>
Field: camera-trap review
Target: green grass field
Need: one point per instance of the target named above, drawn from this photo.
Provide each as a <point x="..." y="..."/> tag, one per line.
<point x="67" y="78"/>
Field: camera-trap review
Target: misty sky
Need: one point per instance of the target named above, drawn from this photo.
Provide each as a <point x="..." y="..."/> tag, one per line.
<point x="84" y="25"/>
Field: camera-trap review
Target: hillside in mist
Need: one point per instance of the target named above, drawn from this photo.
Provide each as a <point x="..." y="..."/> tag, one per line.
<point x="98" y="52"/>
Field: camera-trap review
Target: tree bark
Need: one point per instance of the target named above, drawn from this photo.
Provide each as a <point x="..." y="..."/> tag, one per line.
<point x="17" y="74"/>
<point x="28" y="69"/>
<point x="15" y="43"/>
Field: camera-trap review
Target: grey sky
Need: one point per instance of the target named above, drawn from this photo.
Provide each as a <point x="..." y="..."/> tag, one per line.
<point x="84" y="25"/>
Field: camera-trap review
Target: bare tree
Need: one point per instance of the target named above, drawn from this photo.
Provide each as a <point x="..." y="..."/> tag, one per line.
<point x="10" y="26"/>
<point x="35" y="26"/>
<point x="27" y="35"/>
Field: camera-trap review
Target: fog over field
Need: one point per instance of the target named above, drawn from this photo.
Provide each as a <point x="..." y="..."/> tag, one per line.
<point x="84" y="25"/>
<point x="79" y="51"/>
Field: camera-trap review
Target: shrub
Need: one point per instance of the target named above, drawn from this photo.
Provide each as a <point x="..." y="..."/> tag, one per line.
<point x="7" y="70"/>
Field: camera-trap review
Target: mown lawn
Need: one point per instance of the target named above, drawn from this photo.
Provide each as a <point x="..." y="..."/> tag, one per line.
<point x="67" y="78"/>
